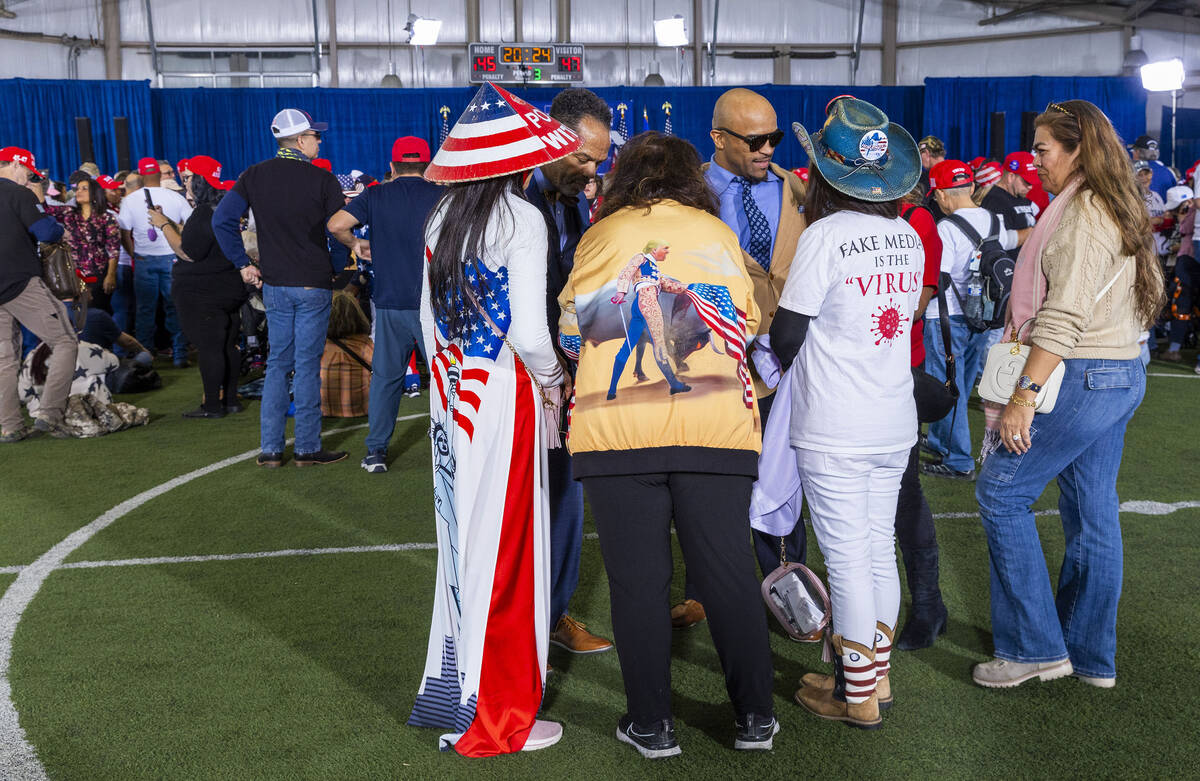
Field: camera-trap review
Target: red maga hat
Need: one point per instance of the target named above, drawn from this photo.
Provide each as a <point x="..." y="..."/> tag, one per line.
<point x="988" y="173"/>
<point x="148" y="166"/>
<point x="1021" y="164"/>
<point x="15" y="154"/>
<point x="499" y="134"/>
<point x="208" y="169"/>
<point x="949" y="174"/>
<point x="321" y="162"/>
<point x="410" y="149"/>
<point x="107" y="182"/>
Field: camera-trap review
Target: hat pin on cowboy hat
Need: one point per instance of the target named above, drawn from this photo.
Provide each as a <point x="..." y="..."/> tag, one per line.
<point x="860" y="152"/>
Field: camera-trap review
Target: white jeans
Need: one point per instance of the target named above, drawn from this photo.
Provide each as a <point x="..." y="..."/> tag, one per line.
<point x="852" y="499"/>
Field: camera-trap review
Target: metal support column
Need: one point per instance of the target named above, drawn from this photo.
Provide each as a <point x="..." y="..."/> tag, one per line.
<point x="698" y="43"/>
<point x="331" y="13"/>
<point x="891" y="24"/>
<point x="563" y="22"/>
<point x="518" y="21"/>
<point x="153" y="46"/>
<point x="316" y="59"/>
<point x="112" y="39"/>
<point x="472" y="20"/>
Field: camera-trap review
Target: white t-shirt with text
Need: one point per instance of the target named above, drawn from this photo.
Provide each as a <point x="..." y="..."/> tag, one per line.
<point x="134" y="217"/>
<point x="859" y="278"/>
<point x="957" y="250"/>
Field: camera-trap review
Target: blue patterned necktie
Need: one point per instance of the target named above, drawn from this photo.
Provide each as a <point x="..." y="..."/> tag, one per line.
<point x="759" y="246"/>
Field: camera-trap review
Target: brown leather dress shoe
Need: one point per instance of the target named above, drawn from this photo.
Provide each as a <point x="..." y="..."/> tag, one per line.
<point x="570" y="635"/>
<point x="687" y="613"/>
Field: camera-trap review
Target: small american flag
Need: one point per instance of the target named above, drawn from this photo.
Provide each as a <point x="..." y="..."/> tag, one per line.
<point x="570" y="345"/>
<point x="715" y="307"/>
<point x="666" y="107"/>
<point x="445" y="112"/>
<point x="623" y="126"/>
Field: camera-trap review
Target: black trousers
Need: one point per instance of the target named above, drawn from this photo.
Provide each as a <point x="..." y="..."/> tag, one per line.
<point x="210" y="314"/>
<point x="766" y="546"/>
<point x="633" y="516"/>
<point x="914" y="520"/>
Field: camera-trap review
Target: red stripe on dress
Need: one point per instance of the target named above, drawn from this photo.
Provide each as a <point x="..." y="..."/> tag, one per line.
<point x="464" y="423"/>
<point x="510" y="683"/>
<point x="469" y="397"/>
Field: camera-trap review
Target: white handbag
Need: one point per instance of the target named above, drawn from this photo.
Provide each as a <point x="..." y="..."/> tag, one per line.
<point x="1006" y="363"/>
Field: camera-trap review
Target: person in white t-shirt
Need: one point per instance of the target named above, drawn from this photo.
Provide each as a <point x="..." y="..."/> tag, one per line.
<point x="950" y="438"/>
<point x="152" y="255"/>
<point x="843" y="327"/>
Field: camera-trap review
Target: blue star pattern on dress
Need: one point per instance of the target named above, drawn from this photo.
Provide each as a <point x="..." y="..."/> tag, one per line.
<point x="491" y="289"/>
<point x="759" y="246"/>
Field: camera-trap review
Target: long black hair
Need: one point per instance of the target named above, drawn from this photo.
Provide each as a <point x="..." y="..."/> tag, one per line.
<point x="96" y="198"/>
<point x="204" y="193"/>
<point x="823" y="200"/>
<point x="465" y="209"/>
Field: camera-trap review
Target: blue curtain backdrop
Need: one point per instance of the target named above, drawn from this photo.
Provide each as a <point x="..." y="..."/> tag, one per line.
<point x="958" y="111"/>
<point x="232" y="125"/>
<point x="1187" y="127"/>
<point x="39" y="115"/>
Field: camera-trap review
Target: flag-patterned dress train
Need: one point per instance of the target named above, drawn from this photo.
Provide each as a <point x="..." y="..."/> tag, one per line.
<point x="485" y="664"/>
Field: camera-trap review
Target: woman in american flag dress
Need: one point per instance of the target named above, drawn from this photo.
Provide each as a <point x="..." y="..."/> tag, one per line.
<point x="496" y="380"/>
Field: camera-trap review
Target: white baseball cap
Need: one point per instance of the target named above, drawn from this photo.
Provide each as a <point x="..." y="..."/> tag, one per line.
<point x="293" y="122"/>
<point x="1177" y="195"/>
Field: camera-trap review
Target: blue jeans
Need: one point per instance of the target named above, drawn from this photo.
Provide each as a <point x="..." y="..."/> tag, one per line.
<point x="566" y="532"/>
<point x="397" y="334"/>
<point x="297" y="318"/>
<point x="1080" y="442"/>
<point x="152" y="278"/>
<point x="951" y="436"/>
<point x="123" y="300"/>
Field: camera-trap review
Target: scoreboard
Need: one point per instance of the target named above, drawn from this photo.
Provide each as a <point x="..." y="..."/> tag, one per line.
<point x="516" y="63"/>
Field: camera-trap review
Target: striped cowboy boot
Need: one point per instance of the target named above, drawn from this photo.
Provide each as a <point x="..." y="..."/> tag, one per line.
<point x="852" y="699"/>
<point x="883" y="655"/>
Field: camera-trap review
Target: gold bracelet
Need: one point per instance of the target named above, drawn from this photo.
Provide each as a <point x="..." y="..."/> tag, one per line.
<point x="1020" y="402"/>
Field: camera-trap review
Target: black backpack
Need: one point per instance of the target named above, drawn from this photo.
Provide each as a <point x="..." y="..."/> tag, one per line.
<point x="132" y="377"/>
<point x="985" y="305"/>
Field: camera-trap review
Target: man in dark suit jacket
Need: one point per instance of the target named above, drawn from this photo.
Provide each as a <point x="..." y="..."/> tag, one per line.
<point x="555" y="189"/>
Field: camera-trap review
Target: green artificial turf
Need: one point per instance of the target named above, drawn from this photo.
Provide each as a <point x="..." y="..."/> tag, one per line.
<point x="306" y="667"/>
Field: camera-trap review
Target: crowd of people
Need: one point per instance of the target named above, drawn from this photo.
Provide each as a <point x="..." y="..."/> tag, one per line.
<point x="834" y="305"/>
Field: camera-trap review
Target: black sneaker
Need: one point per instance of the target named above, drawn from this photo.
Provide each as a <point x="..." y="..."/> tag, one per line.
<point x="930" y="454"/>
<point x="319" y="458"/>
<point x="656" y="742"/>
<point x="234" y="408"/>
<point x="941" y="470"/>
<point x="269" y="460"/>
<point x="200" y="412"/>
<point x="756" y="732"/>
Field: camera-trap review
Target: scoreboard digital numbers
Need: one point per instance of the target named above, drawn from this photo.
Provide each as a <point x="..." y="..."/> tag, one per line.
<point x="516" y="63"/>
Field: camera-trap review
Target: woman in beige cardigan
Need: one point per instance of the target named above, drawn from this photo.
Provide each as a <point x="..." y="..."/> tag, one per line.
<point x="1089" y="279"/>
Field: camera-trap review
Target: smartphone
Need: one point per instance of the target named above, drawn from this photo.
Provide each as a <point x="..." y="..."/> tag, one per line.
<point x="151" y="233"/>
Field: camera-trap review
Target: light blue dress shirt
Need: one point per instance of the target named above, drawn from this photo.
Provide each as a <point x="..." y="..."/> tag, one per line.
<point x="767" y="194"/>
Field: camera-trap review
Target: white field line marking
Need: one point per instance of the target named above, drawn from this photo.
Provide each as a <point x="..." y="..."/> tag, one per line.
<point x="1135" y="507"/>
<point x="18" y="759"/>
<point x="1192" y="376"/>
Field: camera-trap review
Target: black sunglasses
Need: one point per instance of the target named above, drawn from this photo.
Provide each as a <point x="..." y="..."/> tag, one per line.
<point x="774" y="138"/>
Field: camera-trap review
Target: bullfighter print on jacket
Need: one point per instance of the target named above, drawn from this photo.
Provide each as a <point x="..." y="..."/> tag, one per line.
<point x="672" y="278"/>
<point x="642" y="273"/>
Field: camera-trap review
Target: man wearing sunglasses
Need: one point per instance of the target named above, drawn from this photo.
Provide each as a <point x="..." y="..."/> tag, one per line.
<point x="292" y="200"/>
<point x="761" y="202"/>
<point x="1146" y="148"/>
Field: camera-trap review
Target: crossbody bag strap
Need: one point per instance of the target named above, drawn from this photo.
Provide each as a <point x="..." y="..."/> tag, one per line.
<point x="346" y="349"/>
<point x="943" y="319"/>
<point x="504" y="337"/>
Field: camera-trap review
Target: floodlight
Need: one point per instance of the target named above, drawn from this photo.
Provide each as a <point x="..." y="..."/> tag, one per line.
<point x="1164" y="76"/>
<point x="670" y="32"/>
<point x="423" y="32"/>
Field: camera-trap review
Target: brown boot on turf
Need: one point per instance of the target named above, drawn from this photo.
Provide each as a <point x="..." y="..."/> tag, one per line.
<point x="883" y="664"/>
<point x="855" y="676"/>
<point x="687" y="613"/>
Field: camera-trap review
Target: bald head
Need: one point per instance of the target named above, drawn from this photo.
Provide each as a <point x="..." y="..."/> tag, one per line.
<point x="740" y="105"/>
<point x="742" y="114"/>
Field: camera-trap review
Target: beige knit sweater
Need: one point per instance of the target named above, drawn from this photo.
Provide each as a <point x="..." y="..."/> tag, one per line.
<point x="1081" y="258"/>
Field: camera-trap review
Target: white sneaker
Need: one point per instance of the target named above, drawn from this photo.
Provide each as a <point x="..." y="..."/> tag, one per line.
<point x="1003" y="674"/>
<point x="1099" y="683"/>
<point x="543" y="735"/>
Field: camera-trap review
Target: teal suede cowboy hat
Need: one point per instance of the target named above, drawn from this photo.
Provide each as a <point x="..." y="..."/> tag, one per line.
<point x="861" y="153"/>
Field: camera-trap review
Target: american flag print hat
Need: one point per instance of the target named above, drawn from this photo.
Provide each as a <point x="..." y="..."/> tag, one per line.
<point x="497" y="135"/>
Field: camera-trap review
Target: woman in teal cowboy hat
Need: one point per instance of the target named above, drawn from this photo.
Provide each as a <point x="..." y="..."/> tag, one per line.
<point x="844" y="318"/>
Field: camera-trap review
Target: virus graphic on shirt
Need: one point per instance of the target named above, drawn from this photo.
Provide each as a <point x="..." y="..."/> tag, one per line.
<point x="887" y="324"/>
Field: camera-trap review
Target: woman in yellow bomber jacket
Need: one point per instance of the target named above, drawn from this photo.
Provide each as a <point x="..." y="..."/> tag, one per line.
<point x="677" y="442"/>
